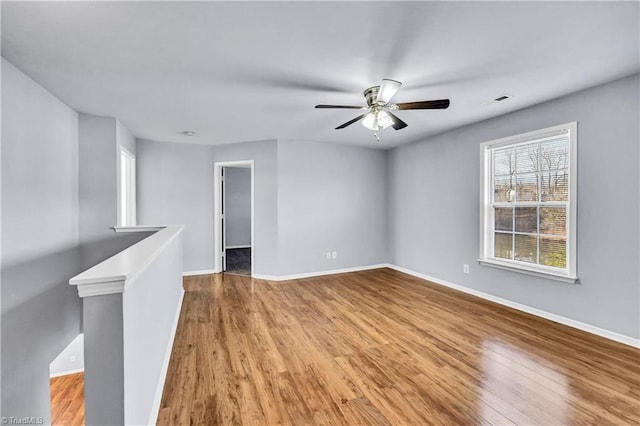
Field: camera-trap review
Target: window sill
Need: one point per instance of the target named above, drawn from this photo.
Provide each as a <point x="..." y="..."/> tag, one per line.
<point x="528" y="271"/>
<point x="137" y="228"/>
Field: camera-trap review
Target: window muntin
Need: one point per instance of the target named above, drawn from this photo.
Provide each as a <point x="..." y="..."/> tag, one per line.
<point x="528" y="203"/>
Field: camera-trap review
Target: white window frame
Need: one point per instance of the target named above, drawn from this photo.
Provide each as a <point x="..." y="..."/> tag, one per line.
<point x="487" y="219"/>
<point x="127" y="190"/>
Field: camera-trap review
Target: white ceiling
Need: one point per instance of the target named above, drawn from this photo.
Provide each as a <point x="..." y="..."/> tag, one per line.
<point x="242" y="71"/>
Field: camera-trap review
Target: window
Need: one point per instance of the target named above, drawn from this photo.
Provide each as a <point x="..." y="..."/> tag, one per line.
<point x="528" y="203"/>
<point x="127" y="199"/>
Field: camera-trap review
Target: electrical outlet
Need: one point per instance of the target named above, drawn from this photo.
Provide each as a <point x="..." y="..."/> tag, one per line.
<point x="334" y="255"/>
<point x="465" y="268"/>
<point x="72" y="358"/>
<point x="328" y="255"/>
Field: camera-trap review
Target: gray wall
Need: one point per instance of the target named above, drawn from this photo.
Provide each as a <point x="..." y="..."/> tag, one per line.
<point x="434" y="208"/>
<point x="58" y="201"/>
<point x="99" y="189"/>
<point x="1" y="156"/>
<point x="330" y="198"/>
<point x="40" y="311"/>
<point x="310" y="198"/>
<point x="98" y="183"/>
<point x="265" y="210"/>
<point x="104" y="360"/>
<point x="175" y="186"/>
<point x="237" y="182"/>
<point x="127" y="347"/>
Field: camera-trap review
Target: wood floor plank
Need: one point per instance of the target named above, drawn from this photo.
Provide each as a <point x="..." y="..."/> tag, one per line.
<point x="382" y="347"/>
<point x="67" y="399"/>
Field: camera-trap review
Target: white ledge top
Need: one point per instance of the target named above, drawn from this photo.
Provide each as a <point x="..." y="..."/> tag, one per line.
<point x="116" y="273"/>
<point x="138" y="228"/>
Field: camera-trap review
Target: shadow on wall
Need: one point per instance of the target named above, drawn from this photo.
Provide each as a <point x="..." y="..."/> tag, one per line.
<point x="94" y="252"/>
<point x="41" y="314"/>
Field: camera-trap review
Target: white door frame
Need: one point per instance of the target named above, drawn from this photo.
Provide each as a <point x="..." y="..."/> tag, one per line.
<point x="217" y="243"/>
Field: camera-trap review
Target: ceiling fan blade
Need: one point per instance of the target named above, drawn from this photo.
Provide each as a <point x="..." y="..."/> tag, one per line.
<point x="340" y="106"/>
<point x="349" y="123"/>
<point x="388" y="88"/>
<point x="397" y="123"/>
<point x="437" y="104"/>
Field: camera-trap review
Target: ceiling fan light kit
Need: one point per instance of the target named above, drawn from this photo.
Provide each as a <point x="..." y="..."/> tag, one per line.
<point x="379" y="115"/>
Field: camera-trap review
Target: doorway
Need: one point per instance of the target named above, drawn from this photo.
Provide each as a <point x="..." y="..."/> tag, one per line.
<point x="233" y="209"/>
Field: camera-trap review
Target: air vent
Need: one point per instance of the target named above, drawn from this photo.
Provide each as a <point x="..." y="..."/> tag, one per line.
<point x="500" y="98"/>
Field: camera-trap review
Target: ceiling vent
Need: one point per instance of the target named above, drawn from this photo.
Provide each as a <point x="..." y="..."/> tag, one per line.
<point x="502" y="98"/>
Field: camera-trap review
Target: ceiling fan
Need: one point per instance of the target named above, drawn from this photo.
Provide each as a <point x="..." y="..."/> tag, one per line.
<point x="379" y="115"/>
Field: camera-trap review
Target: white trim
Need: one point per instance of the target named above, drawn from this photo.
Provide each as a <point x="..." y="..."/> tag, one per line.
<point x="116" y="273"/>
<point x="319" y="273"/>
<point x="534" y="135"/>
<point x="200" y="272"/>
<point x="101" y="288"/>
<point x="138" y="228"/>
<point x="621" y="338"/>
<point x="217" y="245"/>
<point x="515" y="266"/>
<point x="67" y="373"/>
<point x="127" y="207"/>
<point x="486" y="249"/>
<point x="238" y="247"/>
<point x="155" y="407"/>
<point x="611" y="335"/>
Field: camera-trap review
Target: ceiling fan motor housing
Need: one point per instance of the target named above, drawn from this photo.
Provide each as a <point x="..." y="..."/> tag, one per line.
<point x="371" y="95"/>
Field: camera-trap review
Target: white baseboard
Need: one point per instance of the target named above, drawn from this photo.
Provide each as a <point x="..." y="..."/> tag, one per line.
<point x="66" y="373"/>
<point x="318" y="273"/>
<point x="201" y="272"/>
<point x="155" y="408"/>
<point x="621" y="338"/>
<point x="237" y="247"/>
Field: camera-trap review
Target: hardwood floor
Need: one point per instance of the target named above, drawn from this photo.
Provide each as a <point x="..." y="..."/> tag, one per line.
<point x="67" y="400"/>
<point x="382" y="347"/>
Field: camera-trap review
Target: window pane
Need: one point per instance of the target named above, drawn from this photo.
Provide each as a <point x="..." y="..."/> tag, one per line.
<point x="526" y="248"/>
<point x="554" y="154"/>
<point x="526" y="219"/>
<point x="527" y="187"/>
<point x="554" y="185"/>
<point x="504" y="161"/>
<point x="504" y="189"/>
<point x="123" y="191"/>
<point x="553" y="252"/>
<point x="503" y="245"/>
<point x="504" y="219"/>
<point x="553" y="220"/>
<point x="527" y="158"/>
